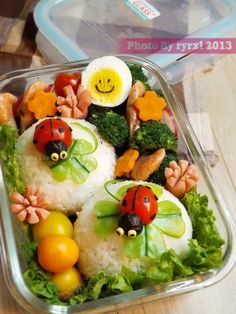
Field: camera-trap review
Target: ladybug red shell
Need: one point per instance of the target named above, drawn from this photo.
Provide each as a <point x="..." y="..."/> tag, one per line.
<point x="138" y="207"/>
<point x="140" y="200"/>
<point x="53" y="137"/>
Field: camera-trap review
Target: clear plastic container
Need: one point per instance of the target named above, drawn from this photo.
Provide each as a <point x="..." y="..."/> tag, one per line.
<point x="12" y="234"/>
<point x="76" y="29"/>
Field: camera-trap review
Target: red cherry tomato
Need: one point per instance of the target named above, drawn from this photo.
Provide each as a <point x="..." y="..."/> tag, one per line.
<point x="140" y="200"/>
<point x="50" y="88"/>
<point x="17" y="105"/>
<point x="52" y="130"/>
<point x="66" y="79"/>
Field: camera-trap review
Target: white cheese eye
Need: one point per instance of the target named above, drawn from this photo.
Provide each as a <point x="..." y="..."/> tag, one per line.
<point x="132" y="233"/>
<point x="63" y="154"/>
<point x="120" y="231"/>
<point x="109" y="80"/>
<point x="54" y="156"/>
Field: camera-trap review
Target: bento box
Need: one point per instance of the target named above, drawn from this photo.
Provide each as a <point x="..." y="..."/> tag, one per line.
<point x="13" y="235"/>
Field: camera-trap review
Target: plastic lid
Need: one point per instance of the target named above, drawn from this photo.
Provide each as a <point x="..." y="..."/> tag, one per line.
<point x="90" y="28"/>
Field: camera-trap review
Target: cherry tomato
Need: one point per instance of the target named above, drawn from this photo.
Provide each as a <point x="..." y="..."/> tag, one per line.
<point x="56" y="224"/>
<point x="67" y="281"/>
<point x="53" y="137"/>
<point x="17" y="106"/>
<point x="65" y="79"/>
<point x="57" y="253"/>
<point x="50" y="88"/>
<point x="140" y="200"/>
<point x="51" y="130"/>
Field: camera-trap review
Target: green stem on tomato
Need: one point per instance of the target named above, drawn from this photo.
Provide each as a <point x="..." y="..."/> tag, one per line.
<point x="146" y="240"/>
<point x="114" y="181"/>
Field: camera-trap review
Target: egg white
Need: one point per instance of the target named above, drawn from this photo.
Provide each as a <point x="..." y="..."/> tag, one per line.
<point x="115" y="64"/>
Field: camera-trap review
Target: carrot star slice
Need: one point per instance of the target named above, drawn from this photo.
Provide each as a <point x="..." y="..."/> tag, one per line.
<point x="150" y="106"/>
<point x="43" y="104"/>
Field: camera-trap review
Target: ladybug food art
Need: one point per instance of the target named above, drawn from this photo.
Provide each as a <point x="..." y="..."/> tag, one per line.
<point x="138" y="208"/>
<point x="53" y="137"/>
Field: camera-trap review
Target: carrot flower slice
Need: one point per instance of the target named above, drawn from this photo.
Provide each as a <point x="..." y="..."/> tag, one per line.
<point x="126" y="162"/>
<point x="43" y="104"/>
<point x="150" y="106"/>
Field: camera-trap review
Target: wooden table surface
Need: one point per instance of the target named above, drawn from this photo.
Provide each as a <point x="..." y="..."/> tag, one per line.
<point x="219" y="86"/>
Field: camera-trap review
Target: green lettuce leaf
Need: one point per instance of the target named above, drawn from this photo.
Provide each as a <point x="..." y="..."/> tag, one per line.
<point x="39" y="282"/>
<point x="8" y="137"/>
<point x="167" y="267"/>
<point x="201" y="259"/>
<point x="203" y="220"/>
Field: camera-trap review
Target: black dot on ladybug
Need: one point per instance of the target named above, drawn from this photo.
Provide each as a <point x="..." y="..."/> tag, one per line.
<point x="42" y="127"/>
<point x="146" y="200"/>
<point x="35" y="141"/>
<point x="148" y="187"/>
<point x="152" y="217"/>
<point x="70" y="129"/>
<point x="124" y="202"/>
<point x="61" y="130"/>
<point x="156" y="198"/>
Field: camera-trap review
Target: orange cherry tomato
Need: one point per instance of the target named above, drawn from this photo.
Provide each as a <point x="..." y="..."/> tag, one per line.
<point x="67" y="281"/>
<point x="57" y="253"/>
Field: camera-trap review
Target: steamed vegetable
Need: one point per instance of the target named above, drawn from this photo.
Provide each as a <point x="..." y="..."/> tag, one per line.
<point x="42" y="104"/>
<point x="111" y="126"/>
<point x="126" y="162"/>
<point x="153" y="135"/>
<point x="138" y="74"/>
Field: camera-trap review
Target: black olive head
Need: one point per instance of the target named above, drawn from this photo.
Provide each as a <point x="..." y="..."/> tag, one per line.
<point x="129" y="225"/>
<point x="56" y="150"/>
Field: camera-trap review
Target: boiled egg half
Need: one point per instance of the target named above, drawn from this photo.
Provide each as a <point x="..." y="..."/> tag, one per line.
<point x="109" y="80"/>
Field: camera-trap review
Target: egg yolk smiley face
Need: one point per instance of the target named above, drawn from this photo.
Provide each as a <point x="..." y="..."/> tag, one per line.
<point x="105" y="85"/>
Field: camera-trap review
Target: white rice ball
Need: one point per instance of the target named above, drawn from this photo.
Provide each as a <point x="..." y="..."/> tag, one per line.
<point x="66" y="196"/>
<point x="105" y="253"/>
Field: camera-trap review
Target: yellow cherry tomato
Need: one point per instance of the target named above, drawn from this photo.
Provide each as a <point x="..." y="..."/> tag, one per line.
<point x="67" y="281"/>
<point x="57" y="253"/>
<point x="55" y="224"/>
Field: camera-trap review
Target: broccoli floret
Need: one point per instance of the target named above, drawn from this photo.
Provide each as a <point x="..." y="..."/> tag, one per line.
<point x="158" y="176"/>
<point x="111" y="126"/>
<point x="153" y="135"/>
<point x="137" y="74"/>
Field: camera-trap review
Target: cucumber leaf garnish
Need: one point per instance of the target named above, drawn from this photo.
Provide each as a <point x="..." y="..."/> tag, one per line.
<point x="78" y="164"/>
<point x="150" y="242"/>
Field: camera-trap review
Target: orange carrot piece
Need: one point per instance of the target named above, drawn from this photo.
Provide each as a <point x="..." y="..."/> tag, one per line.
<point x="150" y="106"/>
<point x="43" y="104"/>
<point x="126" y="162"/>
